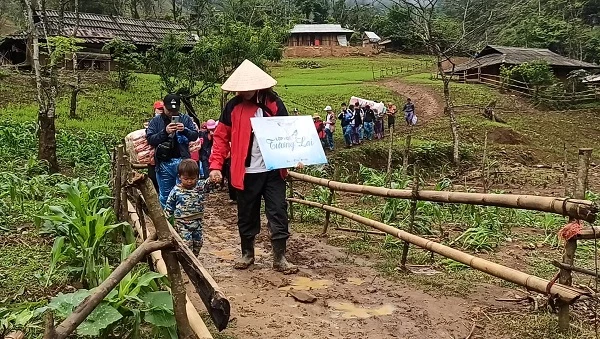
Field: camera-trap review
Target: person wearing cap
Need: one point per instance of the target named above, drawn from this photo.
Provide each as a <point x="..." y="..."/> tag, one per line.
<point x="159" y="107"/>
<point x="207" y="144"/>
<point x="249" y="175"/>
<point x="170" y="141"/>
<point x="329" y="127"/>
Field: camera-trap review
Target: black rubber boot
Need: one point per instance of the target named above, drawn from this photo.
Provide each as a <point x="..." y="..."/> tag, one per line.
<point x="247" y="258"/>
<point x="280" y="264"/>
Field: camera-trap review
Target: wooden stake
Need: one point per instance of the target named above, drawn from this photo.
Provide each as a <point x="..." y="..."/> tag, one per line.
<point x="49" y="331"/>
<point x="406" y="157"/>
<point x="117" y="184"/>
<point x="125" y="169"/>
<point x="157" y="216"/>
<point x="565" y="171"/>
<point x="565" y="277"/>
<point x="328" y="214"/>
<point x="484" y="164"/>
<point x="413" y="210"/>
<point x="389" y="165"/>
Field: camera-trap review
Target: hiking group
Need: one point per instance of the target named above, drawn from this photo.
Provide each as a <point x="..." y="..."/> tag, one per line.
<point x="360" y="122"/>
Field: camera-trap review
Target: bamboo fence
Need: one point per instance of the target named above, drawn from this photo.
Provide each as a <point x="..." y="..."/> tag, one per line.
<point x="567" y="294"/>
<point x="578" y="209"/>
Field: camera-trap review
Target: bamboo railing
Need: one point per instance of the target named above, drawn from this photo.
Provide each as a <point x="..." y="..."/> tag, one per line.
<point x="566" y="293"/>
<point x="578" y="209"/>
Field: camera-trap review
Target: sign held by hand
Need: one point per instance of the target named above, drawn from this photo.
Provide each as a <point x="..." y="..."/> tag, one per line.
<point x="286" y="141"/>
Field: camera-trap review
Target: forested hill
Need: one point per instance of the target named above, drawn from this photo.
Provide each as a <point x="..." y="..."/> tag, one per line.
<point x="569" y="27"/>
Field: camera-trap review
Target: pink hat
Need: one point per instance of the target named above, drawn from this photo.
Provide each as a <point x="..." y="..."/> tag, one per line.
<point x="211" y="124"/>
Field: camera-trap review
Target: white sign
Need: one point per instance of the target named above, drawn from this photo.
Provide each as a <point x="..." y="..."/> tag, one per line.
<point x="286" y="141"/>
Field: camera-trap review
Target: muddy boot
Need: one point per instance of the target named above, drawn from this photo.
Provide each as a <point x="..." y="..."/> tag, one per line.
<point x="280" y="264"/>
<point x="247" y="258"/>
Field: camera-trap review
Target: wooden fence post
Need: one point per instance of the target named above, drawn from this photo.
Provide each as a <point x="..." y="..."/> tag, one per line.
<point x="373" y="71"/>
<point x="327" y="213"/>
<point x="565" y="277"/>
<point x="484" y="164"/>
<point x="331" y="197"/>
<point x="389" y="165"/>
<point x="413" y="210"/>
<point x="163" y="231"/>
<point x="406" y="157"/>
<point x="117" y="184"/>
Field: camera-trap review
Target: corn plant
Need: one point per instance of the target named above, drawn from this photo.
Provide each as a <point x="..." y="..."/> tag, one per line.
<point x="85" y="225"/>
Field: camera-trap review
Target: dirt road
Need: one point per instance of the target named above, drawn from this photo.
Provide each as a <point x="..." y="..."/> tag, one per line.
<point x="428" y="103"/>
<point x="354" y="301"/>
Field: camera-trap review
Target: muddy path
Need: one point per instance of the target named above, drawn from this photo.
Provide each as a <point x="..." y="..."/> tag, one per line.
<point x="428" y="103"/>
<point x="353" y="299"/>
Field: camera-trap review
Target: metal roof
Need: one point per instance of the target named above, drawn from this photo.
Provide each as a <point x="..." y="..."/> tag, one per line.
<point x="496" y="55"/>
<point x="98" y="29"/>
<point x="372" y="36"/>
<point x="320" y="28"/>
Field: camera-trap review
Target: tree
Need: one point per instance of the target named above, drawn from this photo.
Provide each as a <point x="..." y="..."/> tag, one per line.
<point x="443" y="36"/>
<point x="193" y="71"/>
<point x="47" y="79"/>
<point x="127" y="60"/>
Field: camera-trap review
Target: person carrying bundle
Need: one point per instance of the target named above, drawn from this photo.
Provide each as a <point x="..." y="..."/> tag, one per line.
<point x="170" y="134"/>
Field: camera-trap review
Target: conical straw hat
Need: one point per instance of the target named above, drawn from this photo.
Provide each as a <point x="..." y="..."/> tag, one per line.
<point x="248" y="77"/>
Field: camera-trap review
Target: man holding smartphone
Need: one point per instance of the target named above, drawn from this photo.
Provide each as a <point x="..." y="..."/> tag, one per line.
<point x="170" y="133"/>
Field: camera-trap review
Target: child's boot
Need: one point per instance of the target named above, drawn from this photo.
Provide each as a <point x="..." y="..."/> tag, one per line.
<point x="247" y="258"/>
<point x="280" y="264"/>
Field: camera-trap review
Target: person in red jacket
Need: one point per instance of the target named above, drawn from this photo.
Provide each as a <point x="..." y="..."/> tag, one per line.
<point x="249" y="175"/>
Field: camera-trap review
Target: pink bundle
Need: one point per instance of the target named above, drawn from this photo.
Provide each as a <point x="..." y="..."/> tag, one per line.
<point x="140" y="152"/>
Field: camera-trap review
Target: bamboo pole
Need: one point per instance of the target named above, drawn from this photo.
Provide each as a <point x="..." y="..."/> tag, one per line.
<point x="353" y="230"/>
<point x="533" y="283"/>
<point x="579" y="209"/>
<point x="194" y="318"/>
<point x="65" y="328"/>
<point x="565" y="277"/>
<point x="413" y="210"/>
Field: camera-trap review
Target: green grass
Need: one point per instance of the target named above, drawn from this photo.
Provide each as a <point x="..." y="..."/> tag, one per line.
<point x="21" y="261"/>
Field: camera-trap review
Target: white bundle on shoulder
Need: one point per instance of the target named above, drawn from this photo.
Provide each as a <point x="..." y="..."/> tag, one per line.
<point x="138" y="149"/>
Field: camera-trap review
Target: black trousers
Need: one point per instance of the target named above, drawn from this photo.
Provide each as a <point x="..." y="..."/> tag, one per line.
<point x="271" y="187"/>
<point x="227" y="174"/>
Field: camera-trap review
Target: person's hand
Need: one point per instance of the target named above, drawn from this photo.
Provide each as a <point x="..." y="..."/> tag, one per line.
<point x="171" y="128"/>
<point x="180" y="127"/>
<point x="299" y="166"/>
<point x="215" y="176"/>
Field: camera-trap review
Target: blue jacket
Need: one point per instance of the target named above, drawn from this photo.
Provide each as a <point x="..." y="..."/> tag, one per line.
<point x="156" y="133"/>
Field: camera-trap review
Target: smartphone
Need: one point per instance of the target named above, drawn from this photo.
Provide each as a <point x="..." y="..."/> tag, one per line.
<point x="175" y="119"/>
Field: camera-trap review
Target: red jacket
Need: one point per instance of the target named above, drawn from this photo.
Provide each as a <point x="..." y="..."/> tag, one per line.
<point x="235" y="128"/>
<point x="320" y="126"/>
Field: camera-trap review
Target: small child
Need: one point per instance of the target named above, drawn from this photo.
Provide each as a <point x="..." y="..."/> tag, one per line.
<point x="186" y="204"/>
